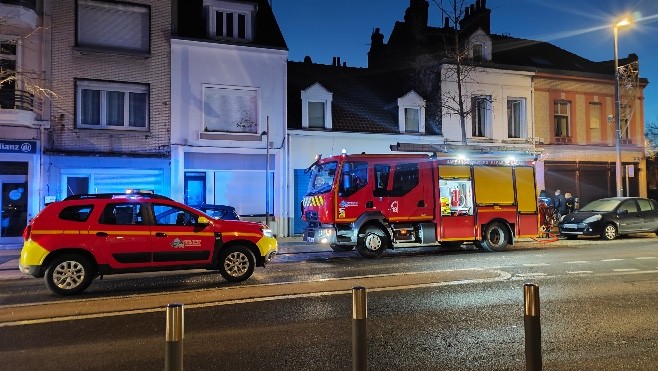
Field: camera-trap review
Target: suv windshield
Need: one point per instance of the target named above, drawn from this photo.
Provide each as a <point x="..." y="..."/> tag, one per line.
<point x="322" y="178"/>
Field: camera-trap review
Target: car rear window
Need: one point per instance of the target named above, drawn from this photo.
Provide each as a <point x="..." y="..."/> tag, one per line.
<point x="77" y="213"/>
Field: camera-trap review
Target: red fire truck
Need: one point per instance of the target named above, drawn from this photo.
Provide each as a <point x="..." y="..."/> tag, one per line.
<point x="379" y="201"/>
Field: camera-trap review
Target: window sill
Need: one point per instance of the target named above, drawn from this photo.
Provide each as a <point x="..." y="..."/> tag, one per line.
<point x="86" y="50"/>
<point x="243" y="137"/>
<point x="113" y="128"/>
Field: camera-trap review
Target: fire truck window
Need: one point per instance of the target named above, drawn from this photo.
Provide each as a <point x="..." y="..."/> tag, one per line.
<point x="456" y="197"/>
<point x="354" y="176"/>
<point x="322" y="178"/>
<point x="381" y="177"/>
<point x="405" y="178"/>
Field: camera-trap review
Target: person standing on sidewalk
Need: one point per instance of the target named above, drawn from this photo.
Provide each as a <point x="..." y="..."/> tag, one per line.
<point x="559" y="204"/>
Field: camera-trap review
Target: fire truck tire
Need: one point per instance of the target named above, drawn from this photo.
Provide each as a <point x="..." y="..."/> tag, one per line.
<point x="495" y="237"/>
<point x="373" y="243"/>
<point x="342" y="248"/>
<point x="236" y="263"/>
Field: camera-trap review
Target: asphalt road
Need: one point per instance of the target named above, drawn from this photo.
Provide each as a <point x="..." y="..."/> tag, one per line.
<point x="429" y="309"/>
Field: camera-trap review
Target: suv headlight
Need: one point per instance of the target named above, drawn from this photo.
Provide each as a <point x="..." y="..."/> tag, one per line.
<point x="592" y="219"/>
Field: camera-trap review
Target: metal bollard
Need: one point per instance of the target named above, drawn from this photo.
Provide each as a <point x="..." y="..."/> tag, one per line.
<point x="174" y="338"/>
<point x="359" y="329"/>
<point x="531" y="322"/>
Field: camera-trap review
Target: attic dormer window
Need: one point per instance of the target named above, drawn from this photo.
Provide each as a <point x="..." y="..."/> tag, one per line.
<point x="411" y="113"/>
<point x="316" y="107"/>
<point x="230" y="21"/>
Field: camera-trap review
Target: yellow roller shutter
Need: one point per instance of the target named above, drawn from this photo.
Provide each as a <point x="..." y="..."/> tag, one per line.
<point x="525" y="190"/>
<point x="493" y="185"/>
<point x="452" y="172"/>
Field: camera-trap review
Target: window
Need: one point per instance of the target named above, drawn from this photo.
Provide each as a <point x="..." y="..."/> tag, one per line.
<point x="481" y="114"/>
<point x="8" y="53"/>
<point x="122" y="214"/>
<point x="195" y="188"/>
<point x="354" y="176"/>
<point x="77" y="213"/>
<point x="595" y="122"/>
<point x="228" y="20"/>
<point x="316" y="115"/>
<point x="171" y="215"/>
<point x="561" y="117"/>
<point x="411" y="113"/>
<point x="516" y="127"/>
<point x="230" y="110"/>
<point x="113" y="25"/>
<point x="382" y="173"/>
<point x="405" y="178"/>
<point x="104" y="105"/>
<point x="411" y="120"/>
<point x="477" y="53"/>
<point x="316" y="107"/>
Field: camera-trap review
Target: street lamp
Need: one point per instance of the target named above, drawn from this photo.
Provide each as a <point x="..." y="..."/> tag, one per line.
<point x="620" y="192"/>
<point x="267" y="172"/>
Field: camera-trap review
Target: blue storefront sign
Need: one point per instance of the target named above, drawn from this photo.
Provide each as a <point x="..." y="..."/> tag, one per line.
<point x="18" y="146"/>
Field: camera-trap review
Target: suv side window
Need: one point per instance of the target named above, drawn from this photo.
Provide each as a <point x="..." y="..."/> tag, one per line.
<point x="78" y="213"/>
<point x="171" y="215"/>
<point x="122" y="214"/>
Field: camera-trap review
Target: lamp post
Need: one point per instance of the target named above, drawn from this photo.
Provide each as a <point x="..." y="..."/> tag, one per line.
<point x="618" y="184"/>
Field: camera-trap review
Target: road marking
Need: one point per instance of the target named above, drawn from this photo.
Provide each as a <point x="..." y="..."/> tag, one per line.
<point x="625" y="270"/>
<point x="645" y="257"/>
<point x="530" y="274"/>
<point x="580" y="272"/>
<point x="612" y="260"/>
<point x="535" y="265"/>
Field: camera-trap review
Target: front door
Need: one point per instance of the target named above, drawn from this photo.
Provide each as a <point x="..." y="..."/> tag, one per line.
<point x="13" y="203"/>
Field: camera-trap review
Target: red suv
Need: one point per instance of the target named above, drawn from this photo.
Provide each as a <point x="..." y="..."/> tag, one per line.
<point x="70" y="242"/>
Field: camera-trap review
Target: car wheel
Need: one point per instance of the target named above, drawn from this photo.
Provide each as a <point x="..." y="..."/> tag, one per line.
<point x="237" y="263"/>
<point x="342" y="248"/>
<point x="609" y="232"/>
<point x="495" y="237"/>
<point x="373" y="243"/>
<point x="69" y="274"/>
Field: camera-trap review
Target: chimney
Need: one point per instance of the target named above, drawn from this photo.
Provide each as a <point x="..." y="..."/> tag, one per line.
<point x="338" y="61"/>
<point x="333" y="62"/>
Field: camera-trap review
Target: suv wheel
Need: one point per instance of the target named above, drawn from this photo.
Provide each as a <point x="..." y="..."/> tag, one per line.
<point x="236" y="263"/>
<point x="69" y="274"/>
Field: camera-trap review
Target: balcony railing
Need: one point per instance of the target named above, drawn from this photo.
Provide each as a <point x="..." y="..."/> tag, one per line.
<point x="30" y="4"/>
<point x="16" y="99"/>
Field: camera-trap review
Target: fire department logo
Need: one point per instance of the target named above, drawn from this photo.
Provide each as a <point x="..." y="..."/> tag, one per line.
<point x="177" y="244"/>
<point x="394" y="206"/>
<point x="348" y="204"/>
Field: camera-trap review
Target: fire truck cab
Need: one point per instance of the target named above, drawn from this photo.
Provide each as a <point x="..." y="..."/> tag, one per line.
<point x="376" y="202"/>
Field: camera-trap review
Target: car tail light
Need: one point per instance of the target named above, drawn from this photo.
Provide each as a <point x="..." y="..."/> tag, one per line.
<point x="26" y="232"/>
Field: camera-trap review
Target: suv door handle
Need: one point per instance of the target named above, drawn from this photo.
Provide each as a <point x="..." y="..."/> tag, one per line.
<point x="101" y="234"/>
<point x="160" y="234"/>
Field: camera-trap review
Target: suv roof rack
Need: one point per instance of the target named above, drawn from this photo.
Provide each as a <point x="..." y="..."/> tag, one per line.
<point x="113" y="195"/>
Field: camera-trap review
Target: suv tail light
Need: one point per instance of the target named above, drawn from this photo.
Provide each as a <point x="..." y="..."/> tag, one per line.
<point x="26" y="232"/>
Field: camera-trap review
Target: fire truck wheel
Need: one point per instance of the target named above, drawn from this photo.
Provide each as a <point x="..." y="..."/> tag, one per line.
<point x="341" y="248"/>
<point x="495" y="237"/>
<point x="373" y="243"/>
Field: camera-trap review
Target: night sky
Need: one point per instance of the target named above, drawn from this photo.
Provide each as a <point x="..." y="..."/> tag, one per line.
<point x="323" y="29"/>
